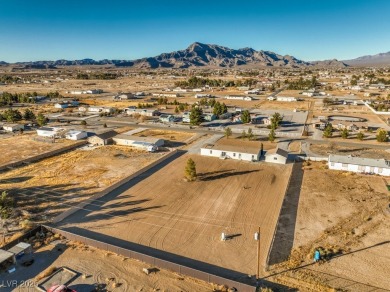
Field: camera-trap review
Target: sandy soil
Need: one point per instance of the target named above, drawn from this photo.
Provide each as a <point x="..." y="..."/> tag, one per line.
<point x="299" y="105"/>
<point x="102" y="268"/>
<point x="186" y="218"/>
<point x="346" y="212"/>
<point x="24" y="146"/>
<point x="48" y="187"/>
<point x="362" y="151"/>
<point x="174" y="136"/>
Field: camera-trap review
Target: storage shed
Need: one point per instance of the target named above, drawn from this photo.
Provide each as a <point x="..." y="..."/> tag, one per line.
<point x="276" y="155"/>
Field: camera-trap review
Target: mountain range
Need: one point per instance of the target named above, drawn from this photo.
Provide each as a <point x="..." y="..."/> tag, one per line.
<point x="212" y="56"/>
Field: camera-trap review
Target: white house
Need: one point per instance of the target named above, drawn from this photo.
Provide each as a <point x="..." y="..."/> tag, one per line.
<point x="247" y="153"/>
<point x="271" y="98"/>
<point x="76" y="135"/>
<point x="13" y="127"/>
<point x="200" y="95"/>
<point x="49" y="131"/>
<point x="165" y="94"/>
<point x="358" y="164"/>
<point x="239" y="97"/>
<point x="276" y="155"/>
<point x="147" y="143"/>
<point x="124" y="96"/>
<point x="166" y="118"/>
<point x="142" y="112"/>
<point x="186" y="117"/>
<point x="286" y="98"/>
<point x="61" y="105"/>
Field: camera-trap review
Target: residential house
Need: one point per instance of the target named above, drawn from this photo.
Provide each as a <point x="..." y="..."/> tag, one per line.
<point x="243" y="152"/>
<point x="76" y="135"/>
<point x="276" y="155"/>
<point x="286" y="98"/>
<point x="147" y="143"/>
<point x="13" y="127"/>
<point x="359" y="165"/>
<point x="142" y="112"/>
<point x="102" y="138"/>
<point x="239" y="97"/>
<point x="166" y="118"/>
<point x="50" y="132"/>
<point x="124" y="96"/>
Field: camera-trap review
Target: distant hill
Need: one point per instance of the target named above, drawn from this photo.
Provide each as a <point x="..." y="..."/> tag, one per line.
<point x="370" y="60"/>
<point x="330" y="63"/>
<point x="203" y="55"/>
<point x="3" y="63"/>
<point x="196" y="55"/>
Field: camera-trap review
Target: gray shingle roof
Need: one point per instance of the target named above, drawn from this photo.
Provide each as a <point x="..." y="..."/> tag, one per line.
<point x="359" y="161"/>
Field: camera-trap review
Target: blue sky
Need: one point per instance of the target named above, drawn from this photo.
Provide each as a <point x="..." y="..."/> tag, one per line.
<point x="118" y="29"/>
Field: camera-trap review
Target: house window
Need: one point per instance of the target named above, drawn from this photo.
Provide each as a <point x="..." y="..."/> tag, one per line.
<point x="234" y="154"/>
<point x="211" y="151"/>
<point x="253" y="157"/>
<point x="223" y="154"/>
<point x="275" y="158"/>
<point x="239" y="155"/>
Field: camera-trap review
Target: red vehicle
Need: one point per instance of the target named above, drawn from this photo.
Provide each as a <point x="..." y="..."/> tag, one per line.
<point x="60" y="288"/>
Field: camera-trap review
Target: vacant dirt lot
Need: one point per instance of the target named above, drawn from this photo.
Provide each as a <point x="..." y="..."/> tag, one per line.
<point x="348" y="214"/>
<point x="283" y="105"/>
<point x="24" y="146"/>
<point x="165" y="212"/>
<point x="48" y="187"/>
<point x="365" y="152"/>
<point x="127" y="275"/>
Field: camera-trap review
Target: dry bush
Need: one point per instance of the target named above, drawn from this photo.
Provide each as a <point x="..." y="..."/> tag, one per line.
<point x="46" y="273"/>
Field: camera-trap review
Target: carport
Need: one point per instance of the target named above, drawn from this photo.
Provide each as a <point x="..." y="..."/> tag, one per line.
<point x="20" y="249"/>
<point x="6" y="257"/>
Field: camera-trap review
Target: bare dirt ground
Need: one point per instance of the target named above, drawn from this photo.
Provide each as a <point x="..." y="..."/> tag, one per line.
<point x="268" y="104"/>
<point x="170" y="136"/>
<point x="165" y="212"/>
<point x="363" y="151"/>
<point x="346" y="214"/>
<point x="111" y="271"/>
<point x="241" y="143"/>
<point x="48" y="187"/>
<point x="24" y="146"/>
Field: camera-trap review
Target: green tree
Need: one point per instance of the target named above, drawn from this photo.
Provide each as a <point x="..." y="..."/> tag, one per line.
<point x="190" y="170"/>
<point x="243" y="135"/>
<point x="29" y="115"/>
<point x="12" y="115"/>
<point x="228" y="132"/>
<point x="353" y="82"/>
<point x="360" y="136"/>
<point x="105" y="125"/>
<point x="328" y="132"/>
<point x="41" y="120"/>
<point x="250" y="134"/>
<point x="176" y="110"/>
<point x="196" y="116"/>
<point x="271" y="135"/>
<point x="245" y="117"/>
<point x="344" y="133"/>
<point x="83" y="123"/>
<point x="275" y="120"/>
<point x="382" y="135"/>
<point x="6" y="205"/>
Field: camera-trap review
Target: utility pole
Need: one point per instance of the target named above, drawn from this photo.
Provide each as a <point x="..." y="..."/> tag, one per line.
<point x="258" y="256"/>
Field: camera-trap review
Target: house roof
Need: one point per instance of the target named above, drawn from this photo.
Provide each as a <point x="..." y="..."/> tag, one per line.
<point x="137" y="138"/>
<point x="235" y="145"/>
<point x="106" y="134"/>
<point x="359" y="161"/>
<point x="278" y="151"/>
<point x="5" y="255"/>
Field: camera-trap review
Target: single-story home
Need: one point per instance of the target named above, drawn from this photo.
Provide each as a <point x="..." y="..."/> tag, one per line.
<point x="76" y="135"/>
<point x="61" y="105"/>
<point x="239" y="97"/>
<point x="142" y="112"/>
<point x="276" y="155"/>
<point x="244" y="152"/>
<point x="286" y="98"/>
<point x="49" y="131"/>
<point x="208" y="117"/>
<point x="13" y="127"/>
<point x="124" y="96"/>
<point x="166" y="118"/>
<point x="360" y="165"/>
<point x="102" y="138"/>
<point x="147" y="143"/>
